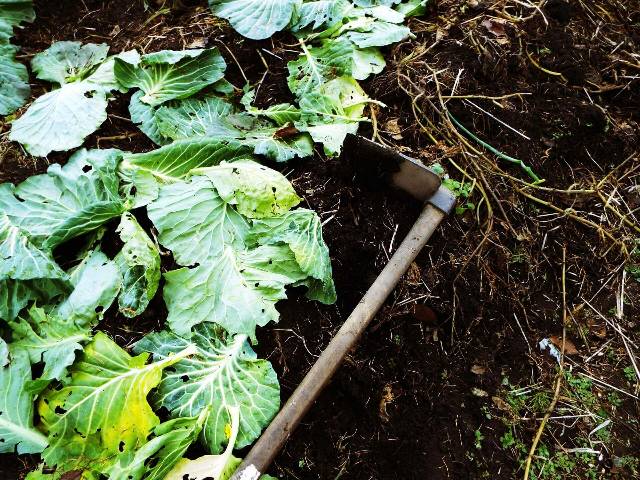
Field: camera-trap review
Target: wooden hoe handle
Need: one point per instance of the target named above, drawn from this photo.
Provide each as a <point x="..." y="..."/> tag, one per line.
<point x="283" y="425"/>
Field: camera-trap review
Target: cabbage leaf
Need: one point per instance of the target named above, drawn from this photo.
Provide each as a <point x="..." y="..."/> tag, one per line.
<point x="223" y="374"/>
<point x="17" y="432"/>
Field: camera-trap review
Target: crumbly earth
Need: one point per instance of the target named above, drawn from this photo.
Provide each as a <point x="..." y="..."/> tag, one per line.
<point x="449" y="382"/>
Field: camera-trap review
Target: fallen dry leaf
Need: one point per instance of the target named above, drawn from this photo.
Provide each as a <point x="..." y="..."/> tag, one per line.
<point x="496" y="27"/>
<point x="387" y="398"/>
<point x="478" y="392"/>
<point x="569" y="347"/>
<point x="394" y="129"/>
<point x="500" y="403"/>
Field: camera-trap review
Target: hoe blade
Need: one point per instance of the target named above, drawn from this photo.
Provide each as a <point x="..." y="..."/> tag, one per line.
<point x="379" y="167"/>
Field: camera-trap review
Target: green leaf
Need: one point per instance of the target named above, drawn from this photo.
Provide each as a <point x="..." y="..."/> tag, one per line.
<point x="17" y="432"/>
<point x="321" y="14"/>
<point x="255" y="190"/>
<point x="96" y="283"/>
<point x="156" y="458"/>
<point x="66" y="201"/>
<point x="194" y="222"/>
<point x="16" y="294"/>
<point x="106" y="397"/>
<point x="301" y="230"/>
<point x="61" y="119"/>
<point x="237" y="289"/>
<point x="169" y="75"/>
<point x="279" y="145"/>
<point x="412" y="8"/>
<point x="217" y="119"/>
<point x="379" y="34"/>
<point x="4" y="354"/>
<point x="332" y="112"/>
<point x="224" y="373"/>
<point x="21" y="260"/>
<point x="14" y="81"/>
<point x="281" y="114"/>
<point x="14" y="12"/>
<point x="26" y="272"/>
<point x="228" y="285"/>
<point x="174" y="162"/>
<point x="145" y="117"/>
<point x="366" y="62"/>
<point x="139" y="264"/>
<point x="196" y="118"/>
<point x="104" y="77"/>
<point x="51" y="340"/>
<point x="334" y="58"/>
<point x="256" y="19"/>
<point x="215" y="467"/>
<point x="65" y="62"/>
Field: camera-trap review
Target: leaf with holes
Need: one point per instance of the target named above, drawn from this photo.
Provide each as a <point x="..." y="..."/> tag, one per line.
<point x="106" y="395"/>
<point x="254" y="190"/>
<point x="66" y="201"/>
<point x="333" y="58"/>
<point x="63" y="118"/>
<point x="320" y="14"/>
<point x="154" y="459"/>
<point x="143" y="173"/>
<point x="194" y="222"/>
<point x="224" y="373"/>
<point x="21" y="260"/>
<point x="237" y="289"/>
<point x="96" y="284"/>
<point x="227" y="284"/>
<point x="17" y="432"/>
<point x="51" y="340"/>
<point x="301" y="230"/>
<point x="139" y="264"/>
<point x="213" y="467"/>
<point x="332" y="112"/>
<point x="217" y="119"/>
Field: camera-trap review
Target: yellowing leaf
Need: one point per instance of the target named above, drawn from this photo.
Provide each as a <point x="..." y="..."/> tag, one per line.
<point x="107" y="394"/>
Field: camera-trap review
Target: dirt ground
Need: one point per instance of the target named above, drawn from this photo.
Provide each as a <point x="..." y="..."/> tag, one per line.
<point x="449" y="382"/>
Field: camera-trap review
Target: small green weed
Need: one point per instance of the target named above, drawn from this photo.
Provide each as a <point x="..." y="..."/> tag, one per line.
<point x="479" y="439"/>
<point x="462" y="190"/>
<point x="507" y="440"/>
<point x="630" y="374"/>
<point x="581" y="390"/>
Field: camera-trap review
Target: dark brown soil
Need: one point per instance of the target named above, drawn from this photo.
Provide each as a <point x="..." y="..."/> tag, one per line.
<point x="410" y="400"/>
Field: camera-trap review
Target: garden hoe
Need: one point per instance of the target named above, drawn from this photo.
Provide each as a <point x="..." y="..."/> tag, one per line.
<point x="377" y="167"/>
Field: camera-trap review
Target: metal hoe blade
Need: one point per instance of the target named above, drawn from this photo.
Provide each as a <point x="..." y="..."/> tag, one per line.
<point x="379" y="167"/>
